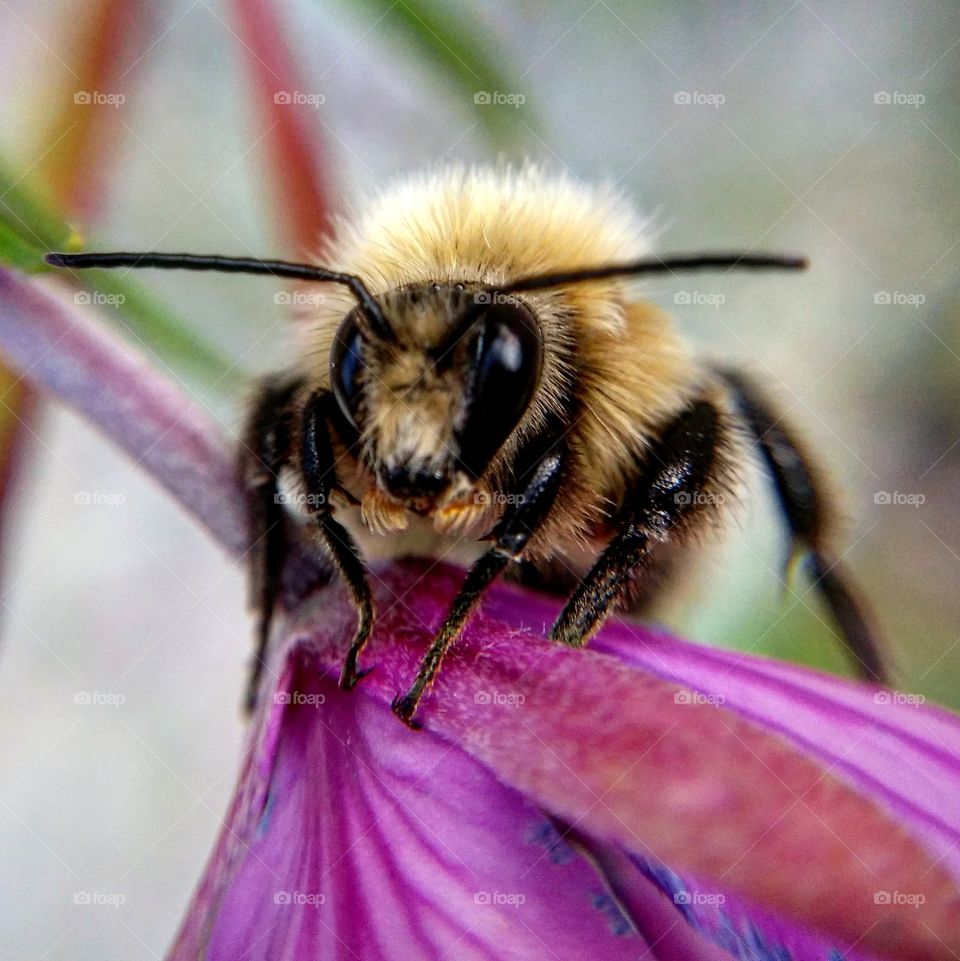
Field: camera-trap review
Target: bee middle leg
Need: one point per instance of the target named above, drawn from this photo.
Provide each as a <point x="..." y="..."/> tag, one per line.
<point x="264" y="452"/>
<point x="538" y="473"/>
<point x="681" y="469"/>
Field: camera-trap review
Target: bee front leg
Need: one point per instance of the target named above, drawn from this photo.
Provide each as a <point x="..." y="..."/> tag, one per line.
<point x="538" y="480"/>
<point x="681" y="469"/>
<point x="318" y="472"/>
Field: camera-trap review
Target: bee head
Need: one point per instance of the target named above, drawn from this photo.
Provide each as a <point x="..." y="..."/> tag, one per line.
<point x="434" y="402"/>
<point x="433" y="378"/>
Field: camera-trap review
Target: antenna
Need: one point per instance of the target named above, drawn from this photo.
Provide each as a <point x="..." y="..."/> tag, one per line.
<point x="379" y="327"/>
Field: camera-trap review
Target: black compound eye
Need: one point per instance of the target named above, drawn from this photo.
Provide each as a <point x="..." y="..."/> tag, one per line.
<point x="346" y="364"/>
<point x="508" y="358"/>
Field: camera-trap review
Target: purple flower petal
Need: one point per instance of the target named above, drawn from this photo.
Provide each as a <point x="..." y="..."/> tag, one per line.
<point x="364" y="841"/>
<point x="891" y="745"/>
<point x="736" y="927"/>
<point x="638" y="771"/>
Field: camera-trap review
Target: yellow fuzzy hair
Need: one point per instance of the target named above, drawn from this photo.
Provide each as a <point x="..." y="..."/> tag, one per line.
<point x="490" y="225"/>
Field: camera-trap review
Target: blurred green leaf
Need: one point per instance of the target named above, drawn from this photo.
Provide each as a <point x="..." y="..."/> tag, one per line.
<point x="25" y="214"/>
<point x="29" y="227"/>
<point x="459" y="50"/>
<point x="16" y="251"/>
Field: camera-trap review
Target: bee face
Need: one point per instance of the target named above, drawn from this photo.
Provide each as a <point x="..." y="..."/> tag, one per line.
<point x="435" y="403"/>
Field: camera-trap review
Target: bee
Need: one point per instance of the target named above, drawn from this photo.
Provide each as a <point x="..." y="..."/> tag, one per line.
<point x="484" y="379"/>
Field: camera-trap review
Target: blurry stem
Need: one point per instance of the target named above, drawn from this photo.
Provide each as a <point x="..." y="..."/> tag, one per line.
<point x="296" y="169"/>
<point x="73" y="171"/>
<point x="103" y="47"/>
<point x="60" y="350"/>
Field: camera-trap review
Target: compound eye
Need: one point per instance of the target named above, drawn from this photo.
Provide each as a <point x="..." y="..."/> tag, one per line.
<point x="508" y="359"/>
<point x="346" y="365"/>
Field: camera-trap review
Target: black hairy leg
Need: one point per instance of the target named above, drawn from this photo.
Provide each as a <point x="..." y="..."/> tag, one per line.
<point x="319" y="478"/>
<point x="538" y="474"/>
<point x="804" y="509"/>
<point x="265" y="451"/>
<point x="678" y="471"/>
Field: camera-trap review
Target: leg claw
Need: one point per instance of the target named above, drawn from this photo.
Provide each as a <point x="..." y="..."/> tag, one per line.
<point x="350" y="677"/>
<point x="404" y="707"/>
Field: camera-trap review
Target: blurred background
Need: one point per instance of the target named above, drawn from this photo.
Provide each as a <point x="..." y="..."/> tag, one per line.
<point x="243" y="127"/>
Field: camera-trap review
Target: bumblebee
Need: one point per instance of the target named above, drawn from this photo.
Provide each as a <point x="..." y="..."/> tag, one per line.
<point x="483" y="382"/>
